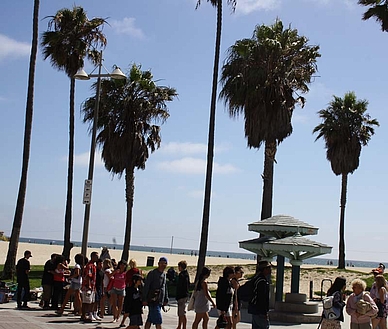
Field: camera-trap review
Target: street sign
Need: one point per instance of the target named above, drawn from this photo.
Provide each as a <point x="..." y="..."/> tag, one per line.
<point x="87" y="191"/>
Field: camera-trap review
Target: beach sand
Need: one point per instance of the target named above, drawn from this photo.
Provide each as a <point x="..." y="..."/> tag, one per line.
<point x="315" y="273"/>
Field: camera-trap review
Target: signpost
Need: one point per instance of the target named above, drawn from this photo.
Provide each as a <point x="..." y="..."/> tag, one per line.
<point x="87" y="191"/>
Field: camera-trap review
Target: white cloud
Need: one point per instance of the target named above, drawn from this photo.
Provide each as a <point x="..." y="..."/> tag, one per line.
<point x="196" y="194"/>
<point x="189" y="148"/>
<point x="82" y="160"/>
<point x="11" y="49"/>
<point x="190" y="165"/>
<point x="127" y="26"/>
<point x="248" y="6"/>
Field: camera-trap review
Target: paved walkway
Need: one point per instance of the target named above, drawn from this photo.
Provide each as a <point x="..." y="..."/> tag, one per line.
<point x="36" y="318"/>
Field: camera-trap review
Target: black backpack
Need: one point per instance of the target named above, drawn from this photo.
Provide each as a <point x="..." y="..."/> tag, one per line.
<point x="246" y="292"/>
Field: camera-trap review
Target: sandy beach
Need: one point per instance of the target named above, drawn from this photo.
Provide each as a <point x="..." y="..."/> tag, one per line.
<point x="314" y="273"/>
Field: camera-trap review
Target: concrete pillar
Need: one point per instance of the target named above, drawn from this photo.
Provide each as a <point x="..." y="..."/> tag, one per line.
<point x="295" y="275"/>
<point x="279" y="278"/>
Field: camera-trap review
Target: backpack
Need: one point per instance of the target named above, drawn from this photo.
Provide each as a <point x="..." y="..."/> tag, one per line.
<point x="245" y="292"/>
<point x="329" y="310"/>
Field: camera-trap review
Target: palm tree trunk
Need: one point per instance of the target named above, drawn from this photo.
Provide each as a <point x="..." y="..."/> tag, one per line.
<point x="341" y="249"/>
<point x="9" y="266"/>
<point x="210" y="148"/>
<point x="269" y="159"/>
<point x="129" y="196"/>
<point x="67" y="245"/>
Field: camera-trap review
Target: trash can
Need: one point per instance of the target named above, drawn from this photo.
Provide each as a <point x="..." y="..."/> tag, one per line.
<point x="150" y="261"/>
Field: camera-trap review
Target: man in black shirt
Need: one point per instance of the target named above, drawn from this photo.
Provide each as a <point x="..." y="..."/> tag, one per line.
<point x="259" y="305"/>
<point x="22" y="270"/>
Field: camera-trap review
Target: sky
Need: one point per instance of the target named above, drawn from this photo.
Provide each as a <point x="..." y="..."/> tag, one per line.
<point x="176" y="42"/>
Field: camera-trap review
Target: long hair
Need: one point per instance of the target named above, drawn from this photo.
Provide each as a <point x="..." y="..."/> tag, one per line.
<point x="380" y="282"/>
<point x="205" y="272"/>
<point x="338" y="285"/>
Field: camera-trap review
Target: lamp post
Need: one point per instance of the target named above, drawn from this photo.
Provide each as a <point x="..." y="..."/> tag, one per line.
<point x="82" y="75"/>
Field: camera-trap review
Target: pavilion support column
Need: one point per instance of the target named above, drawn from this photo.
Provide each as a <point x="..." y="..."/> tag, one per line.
<point x="279" y="278"/>
<point x="295" y="275"/>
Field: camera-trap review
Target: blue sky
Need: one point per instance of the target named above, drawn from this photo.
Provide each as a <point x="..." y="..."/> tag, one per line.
<point x="177" y="43"/>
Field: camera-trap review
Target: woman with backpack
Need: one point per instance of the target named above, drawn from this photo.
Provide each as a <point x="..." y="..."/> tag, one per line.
<point x="332" y="315"/>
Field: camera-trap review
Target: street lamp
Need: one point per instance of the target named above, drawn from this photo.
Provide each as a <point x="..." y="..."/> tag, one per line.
<point x="82" y="75"/>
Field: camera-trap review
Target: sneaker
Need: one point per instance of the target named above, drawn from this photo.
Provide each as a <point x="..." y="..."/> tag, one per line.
<point x="91" y="317"/>
<point x="97" y="317"/>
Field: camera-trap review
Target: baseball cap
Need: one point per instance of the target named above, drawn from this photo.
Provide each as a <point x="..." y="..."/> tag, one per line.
<point x="27" y="253"/>
<point x="163" y="259"/>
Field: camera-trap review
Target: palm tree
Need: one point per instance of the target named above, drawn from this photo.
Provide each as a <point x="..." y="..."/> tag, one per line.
<point x="260" y="79"/>
<point x="71" y="37"/>
<point x="378" y="10"/>
<point x="345" y="128"/>
<point x="9" y="266"/>
<point x="210" y="144"/>
<point x="129" y="111"/>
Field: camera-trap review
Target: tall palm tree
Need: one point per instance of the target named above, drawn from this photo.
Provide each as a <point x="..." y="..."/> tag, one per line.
<point x="9" y="266"/>
<point x="378" y="10"/>
<point x="210" y="143"/>
<point x="127" y="128"/>
<point x="71" y="37"/>
<point x="345" y="128"/>
<point x="260" y="79"/>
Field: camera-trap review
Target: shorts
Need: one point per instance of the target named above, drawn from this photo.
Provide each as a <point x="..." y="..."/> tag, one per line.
<point x="182" y="306"/>
<point x="136" y="320"/>
<point x="229" y="312"/>
<point x="98" y="295"/>
<point x="75" y="285"/>
<point x="154" y="314"/>
<point x="118" y="292"/>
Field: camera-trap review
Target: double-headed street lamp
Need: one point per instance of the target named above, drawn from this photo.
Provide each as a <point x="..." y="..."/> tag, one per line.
<point x="82" y="75"/>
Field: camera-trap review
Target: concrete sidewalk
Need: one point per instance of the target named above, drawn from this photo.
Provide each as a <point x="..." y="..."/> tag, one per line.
<point x="36" y="318"/>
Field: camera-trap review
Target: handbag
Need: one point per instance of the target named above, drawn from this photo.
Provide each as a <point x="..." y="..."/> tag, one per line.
<point x="363" y="306"/>
<point x="190" y="305"/>
<point x="153" y="296"/>
<point x="221" y="321"/>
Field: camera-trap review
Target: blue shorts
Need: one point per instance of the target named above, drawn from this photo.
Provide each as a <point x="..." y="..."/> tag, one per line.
<point x="98" y="294"/>
<point x="136" y="320"/>
<point x="154" y="314"/>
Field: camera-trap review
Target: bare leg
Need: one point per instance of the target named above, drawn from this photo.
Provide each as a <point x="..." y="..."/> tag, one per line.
<point x="67" y="297"/>
<point x="120" y="306"/>
<point x="147" y="325"/>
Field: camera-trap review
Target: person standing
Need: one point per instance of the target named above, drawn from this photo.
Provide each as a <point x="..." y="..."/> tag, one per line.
<point x="22" y="270"/>
<point x="381" y="302"/>
<point x="88" y="288"/>
<point x="337" y="291"/>
<point x="182" y="293"/>
<point x="238" y="273"/>
<point x="357" y="319"/>
<point x="47" y="282"/>
<point x="155" y="294"/>
<point x="202" y="299"/>
<point x="224" y="296"/>
<point x="134" y="307"/>
<point x="117" y="293"/>
<point x="133" y="269"/>
<point x="259" y="305"/>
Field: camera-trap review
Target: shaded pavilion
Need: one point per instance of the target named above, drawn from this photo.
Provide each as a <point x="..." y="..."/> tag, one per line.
<point x="284" y="238"/>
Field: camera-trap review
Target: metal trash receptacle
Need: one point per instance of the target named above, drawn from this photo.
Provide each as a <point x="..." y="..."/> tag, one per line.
<point x="150" y="261"/>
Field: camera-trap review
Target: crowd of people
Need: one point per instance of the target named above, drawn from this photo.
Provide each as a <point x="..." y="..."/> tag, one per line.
<point x="99" y="287"/>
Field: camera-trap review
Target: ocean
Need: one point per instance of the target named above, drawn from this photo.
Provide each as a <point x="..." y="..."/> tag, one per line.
<point x="224" y="254"/>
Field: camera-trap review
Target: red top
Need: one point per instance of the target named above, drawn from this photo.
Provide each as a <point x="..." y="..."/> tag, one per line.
<point x="89" y="276"/>
<point x="129" y="275"/>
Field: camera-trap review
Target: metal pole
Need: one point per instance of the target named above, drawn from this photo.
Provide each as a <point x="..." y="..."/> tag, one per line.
<point x="172" y="242"/>
<point x="91" y="161"/>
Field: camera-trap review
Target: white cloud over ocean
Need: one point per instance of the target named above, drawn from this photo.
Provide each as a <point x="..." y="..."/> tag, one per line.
<point x="11" y="49"/>
<point x="127" y="26"/>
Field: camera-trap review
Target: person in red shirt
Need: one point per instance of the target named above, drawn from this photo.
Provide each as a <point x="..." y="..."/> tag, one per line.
<point x="88" y="288"/>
